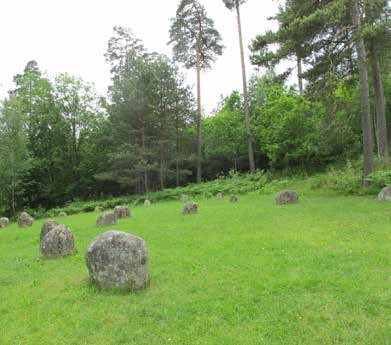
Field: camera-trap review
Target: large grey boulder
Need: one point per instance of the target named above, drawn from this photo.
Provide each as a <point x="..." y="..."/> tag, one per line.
<point x="99" y="209"/>
<point x="4" y="222"/>
<point x="233" y="199"/>
<point x="118" y="260"/>
<point x="122" y="212"/>
<point x="287" y="197"/>
<point x="49" y="225"/>
<point x="106" y="219"/>
<point x="385" y="194"/>
<point x="25" y="220"/>
<point x="184" y="198"/>
<point x="147" y="203"/>
<point x="190" y="208"/>
<point x="58" y="242"/>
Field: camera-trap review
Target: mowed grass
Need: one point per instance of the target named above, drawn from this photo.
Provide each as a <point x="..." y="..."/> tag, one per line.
<point x="248" y="273"/>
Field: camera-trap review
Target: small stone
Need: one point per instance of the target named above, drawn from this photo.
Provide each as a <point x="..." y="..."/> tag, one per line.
<point x="48" y="226"/>
<point x="58" y="242"/>
<point x="25" y="220"/>
<point x="62" y="214"/>
<point x="122" y="212"/>
<point x="4" y="222"/>
<point x="233" y="199"/>
<point x="118" y="260"/>
<point x="385" y="194"/>
<point x="147" y="203"/>
<point x="184" y="198"/>
<point x="106" y="219"/>
<point x="220" y="196"/>
<point x="287" y="197"/>
<point x="190" y="208"/>
<point x="99" y="209"/>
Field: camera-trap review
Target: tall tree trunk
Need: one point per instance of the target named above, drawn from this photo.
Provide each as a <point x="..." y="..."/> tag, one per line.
<point x="245" y="95"/>
<point x="177" y="151"/>
<point x="161" y="165"/>
<point x="381" y="123"/>
<point x="299" y="77"/>
<point x="366" y="119"/>
<point x="199" y="116"/>
<point x="145" y="172"/>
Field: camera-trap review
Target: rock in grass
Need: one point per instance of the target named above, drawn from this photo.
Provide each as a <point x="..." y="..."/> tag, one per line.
<point x="49" y="225"/>
<point x="385" y="194"/>
<point x="287" y="197"/>
<point x="118" y="260"/>
<point x="220" y="196"/>
<point x="58" y="242"/>
<point x="190" y="208"/>
<point x="4" y="222"/>
<point x="233" y="199"/>
<point x="147" y="203"/>
<point x="25" y="220"/>
<point x="122" y="212"/>
<point x="99" y="209"/>
<point x="62" y="214"/>
<point x="106" y="219"/>
<point x="184" y="198"/>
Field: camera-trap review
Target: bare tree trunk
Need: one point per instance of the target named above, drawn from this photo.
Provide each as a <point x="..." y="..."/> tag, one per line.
<point x="199" y="117"/>
<point x="366" y="118"/>
<point x="299" y="77"/>
<point x="177" y="151"/>
<point x="245" y="95"/>
<point x="381" y="123"/>
<point x="161" y="165"/>
<point x="145" y="172"/>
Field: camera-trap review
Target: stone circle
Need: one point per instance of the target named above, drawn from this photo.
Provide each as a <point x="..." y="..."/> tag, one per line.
<point x="25" y="220"/>
<point x="58" y="242"/>
<point x="385" y="194"/>
<point x="106" y="219"/>
<point x="48" y="226"/>
<point x="4" y="222"/>
<point x="122" y="212"/>
<point x="118" y="260"/>
<point x="287" y="197"/>
<point x="190" y="208"/>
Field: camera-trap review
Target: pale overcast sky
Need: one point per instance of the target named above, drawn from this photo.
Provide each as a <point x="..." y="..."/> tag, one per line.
<point x="71" y="36"/>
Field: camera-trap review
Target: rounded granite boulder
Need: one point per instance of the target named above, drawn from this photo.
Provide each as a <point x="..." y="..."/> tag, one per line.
<point x="287" y="197"/>
<point x="106" y="219"/>
<point x="58" y="242"/>
<point x="190" y="208"/>
<point x="118" y="260"/>
<point x="385" y="194"/>
<point x="49" y="225"/>
<point x="25" y="220"/>
<point x="122" y="212"/>
<point x="4" y="222"/>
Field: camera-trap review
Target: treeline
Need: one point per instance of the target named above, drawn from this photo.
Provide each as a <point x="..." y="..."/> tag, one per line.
<point x="60" y="141"/>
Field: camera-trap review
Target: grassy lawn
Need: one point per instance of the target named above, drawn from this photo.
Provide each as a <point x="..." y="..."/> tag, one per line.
<point x="318" y="272"/>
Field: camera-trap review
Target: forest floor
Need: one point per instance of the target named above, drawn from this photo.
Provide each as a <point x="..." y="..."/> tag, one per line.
<point x="317" y="272"/>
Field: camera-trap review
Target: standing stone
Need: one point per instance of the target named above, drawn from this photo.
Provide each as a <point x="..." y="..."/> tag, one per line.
<point x="190" y="208"/>
<point x="62" y="214"/>
<point x="4" y="222"/>
<point x="106" y="219"/>
<point x="25" y="220"/>
<point x="220" y="196"/>
<point x="147" y="203"/>
<point x="48" y="226"/>
<point x="385" y="194"/>
<point x="233" y="198"/>
<point x="122" y="212"/>
<point x="58" y="242"/>
<point x="118" y="260"/>
<point x="287" y="197"/>
<point x="99" y="209"/>
<point x="184" y="198"/>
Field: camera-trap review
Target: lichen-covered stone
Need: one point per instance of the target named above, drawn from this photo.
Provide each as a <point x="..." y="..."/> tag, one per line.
<point x="122" y="212"/>
<point x="190" y="208"/>
<point x="25" y="220"/>
<point x="184" y="198"/>
<point x="49" y="225"/>
<point x="118" y="260"/>
<point x="287" y="197"/>
<point x="4" y="222"/>
<point x="233" y="198"/>
<point x="147" y="203"/>
<point x="58" y="242"/>
<point x="220" y="196"/>
<point x="62" y="214"/>
<point x="106" y="219"/>
<point x="99" y="209"/>
<point x="385" y="194"/>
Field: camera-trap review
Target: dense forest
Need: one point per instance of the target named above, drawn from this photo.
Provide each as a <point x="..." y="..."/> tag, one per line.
<point x="61" y="141"/>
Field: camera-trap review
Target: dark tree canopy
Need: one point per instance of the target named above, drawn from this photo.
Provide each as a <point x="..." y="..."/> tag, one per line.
<point x="231" y="4"/>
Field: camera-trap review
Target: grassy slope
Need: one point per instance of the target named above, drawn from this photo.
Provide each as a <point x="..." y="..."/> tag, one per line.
<point x="246" y="273"/>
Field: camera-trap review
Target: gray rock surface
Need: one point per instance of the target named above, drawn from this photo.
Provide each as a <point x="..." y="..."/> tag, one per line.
<point x="287" y="197"/>
<point x="4" y="222"/>
<point x="118" y="260"/>
<point x="233" y="198"/>
<point x="106" y="219"/>
<point x="385" y="194"/>
<point x="122" y="212"/>
<point x="62" y="214"/>
<point x="190" y="208"/>
<point x="99" y="209"/>
<point x="184" y="198"/>
<point x="147" y="203"/>
<point x="58" y="242"/>
<point x="25" y="220"/>
<point x="49" y="225"/>
<point x="220" y="196"/>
